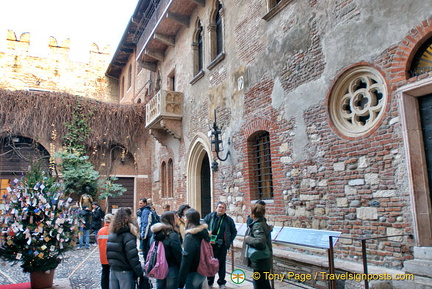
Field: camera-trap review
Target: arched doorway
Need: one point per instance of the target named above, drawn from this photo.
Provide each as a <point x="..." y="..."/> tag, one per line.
<point x="199" y="195"/>
<point x="17" y="153"/>
<point x="206" y="205"/>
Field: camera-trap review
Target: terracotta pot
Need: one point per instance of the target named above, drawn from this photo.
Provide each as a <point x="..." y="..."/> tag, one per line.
<point x="42" y="280"/>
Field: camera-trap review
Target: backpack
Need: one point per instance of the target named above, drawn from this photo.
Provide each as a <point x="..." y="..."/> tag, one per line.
<point x="156" y="265"/>
<point x="208" y="265"/>
<point x="154" y="218"/>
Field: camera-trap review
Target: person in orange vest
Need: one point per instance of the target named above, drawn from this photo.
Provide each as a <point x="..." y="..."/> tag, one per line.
<point x="102" y="238"/>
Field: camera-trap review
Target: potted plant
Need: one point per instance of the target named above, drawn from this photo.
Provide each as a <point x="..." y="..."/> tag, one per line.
<point x="38" y="225"/>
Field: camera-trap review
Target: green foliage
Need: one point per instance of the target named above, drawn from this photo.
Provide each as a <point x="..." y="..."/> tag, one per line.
<point x="38" y="223"/>
<point x="79" y="175"/>
<point x="78" y="131"/>
<point x="78" y="172"/>
<point x="108" y="188"/>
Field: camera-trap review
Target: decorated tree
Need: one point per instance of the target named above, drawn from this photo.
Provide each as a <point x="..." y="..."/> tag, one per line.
<point x="39" y="222"/>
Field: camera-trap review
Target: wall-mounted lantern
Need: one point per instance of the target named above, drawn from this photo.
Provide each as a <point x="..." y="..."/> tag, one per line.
<point x="216" y="141"/>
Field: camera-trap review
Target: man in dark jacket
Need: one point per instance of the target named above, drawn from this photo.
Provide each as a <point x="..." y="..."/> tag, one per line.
<point x="85" y="225"/>
<point x="223" y="233"/>
<point x="97" y="217"/>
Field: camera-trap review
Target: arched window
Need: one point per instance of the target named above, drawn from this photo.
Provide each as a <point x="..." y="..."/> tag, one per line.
<point x="170" y="179"/>
<point x="198" y="48"/>
<point x="163" y="179"/>
<point x="261" y="166"/>
<point x="216" y="30"/>
<point x="422" y="62"/>
<point x="167" y="179"/>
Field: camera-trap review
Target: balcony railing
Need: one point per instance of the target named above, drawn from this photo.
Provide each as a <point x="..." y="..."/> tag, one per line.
<point x="165" y="105"/>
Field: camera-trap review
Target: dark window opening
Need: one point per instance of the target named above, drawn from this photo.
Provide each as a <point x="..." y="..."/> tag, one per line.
<point x="219" y="39"/>
<point x="200" y="48"/>
<point x="263" y="167"/>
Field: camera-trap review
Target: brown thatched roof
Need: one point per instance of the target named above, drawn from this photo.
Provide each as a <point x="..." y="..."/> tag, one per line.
<point x="37" y="114"/>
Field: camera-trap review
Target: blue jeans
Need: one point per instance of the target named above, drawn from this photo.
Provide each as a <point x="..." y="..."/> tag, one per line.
<point x="171" y="281"/>
<point x="122" y="280"/>
<point x="194" y="280"/>
<point x="86" y="234"/>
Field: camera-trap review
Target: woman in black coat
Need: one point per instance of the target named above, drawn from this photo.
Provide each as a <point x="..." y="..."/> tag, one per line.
<point x="122" y="252"/>
<point x="194" y="233"/>
<point x="259" y="237"/>
<point x="166" y="232"/>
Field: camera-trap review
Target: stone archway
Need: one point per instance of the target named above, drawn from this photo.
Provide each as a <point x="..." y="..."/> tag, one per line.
<point x="199" y="175"/>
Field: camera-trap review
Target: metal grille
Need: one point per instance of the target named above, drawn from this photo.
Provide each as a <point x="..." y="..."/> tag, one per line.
<point x="262" y="167"/>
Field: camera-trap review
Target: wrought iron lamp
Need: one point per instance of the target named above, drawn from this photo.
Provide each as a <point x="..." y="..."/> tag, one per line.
<point x="216" y="141"/>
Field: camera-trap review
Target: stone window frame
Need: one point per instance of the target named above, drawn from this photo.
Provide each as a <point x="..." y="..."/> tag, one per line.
<point x="348" y="92"/>
<point x="167" y="178"/>
<point x="416" y="159"/>
<point x="274" y="7"/>
<point x="171" y="84"/>
<point x="198" y="51"/>
<point x="253" y="160"/>
<point x="217" y="36"/>
<point x="129" y="77"/>
<point x="122" y="87"/>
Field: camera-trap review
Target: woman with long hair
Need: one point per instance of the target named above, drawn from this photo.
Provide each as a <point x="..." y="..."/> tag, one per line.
<point x="122" y="252"/>
<point x="166" y="232"/>
<point x="194" y="233"/>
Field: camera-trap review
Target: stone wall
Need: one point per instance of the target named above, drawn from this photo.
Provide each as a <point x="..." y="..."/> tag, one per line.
<point x="52" y="67"/>
<point x="287" y="66"/>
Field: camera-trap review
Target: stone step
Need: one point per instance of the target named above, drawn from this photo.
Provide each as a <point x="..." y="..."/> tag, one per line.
<point x="418" y="283"/>
<point x="423" y="253"/>
<point x="419" y="267"/>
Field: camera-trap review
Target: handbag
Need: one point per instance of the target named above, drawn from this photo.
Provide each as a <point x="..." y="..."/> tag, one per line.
<point x="255" y="254"/>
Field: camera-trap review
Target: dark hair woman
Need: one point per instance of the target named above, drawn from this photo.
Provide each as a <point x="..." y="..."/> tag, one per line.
<point x="259" y="237"/>
<point x="194" y="233"/>
<point x="167" y="233"/>
<point x="122" y="252"/>
<point x="181" y="213"/>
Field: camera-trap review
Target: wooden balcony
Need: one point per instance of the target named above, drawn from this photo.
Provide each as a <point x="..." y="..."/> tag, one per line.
<point x="164" y="114"/>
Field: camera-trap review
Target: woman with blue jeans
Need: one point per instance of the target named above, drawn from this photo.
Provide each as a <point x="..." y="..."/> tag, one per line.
<point x="194" y="233"/>
<point x="122" y="252"/>
<point x="166" y="232"/>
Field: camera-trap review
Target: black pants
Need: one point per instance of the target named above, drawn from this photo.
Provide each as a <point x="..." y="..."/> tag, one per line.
<point x="145" y="247"/>
<point x="220" y="253"/>
<point x="105" y="276"/>
<point x="262" y="282"/>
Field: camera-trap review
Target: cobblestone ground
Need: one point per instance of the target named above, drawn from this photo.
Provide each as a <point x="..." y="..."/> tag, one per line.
<point x="81" y="267"/>
<point x="83" y="270"/>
